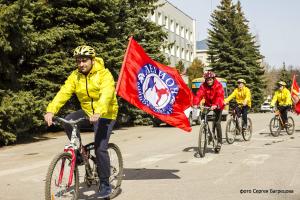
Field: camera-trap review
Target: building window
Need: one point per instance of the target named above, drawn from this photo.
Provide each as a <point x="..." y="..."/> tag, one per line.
<point x="167" y="51"/>
<point x="182" y="32"/>
<point x="159" y="16"/>
<point x="166" y="22"/>
<point x="192" y="58"/>
<point x="153" y="17"/>
<point x="182" y="54"/>
<point x="178" y="52"/>
<point x="187" y="35"/>
<point x="191" y="37"/>
<point x="173" y="50"/>
<point x="172" y="25"/>
<point x="187" y="55"/>
<point x="177" y="29"/>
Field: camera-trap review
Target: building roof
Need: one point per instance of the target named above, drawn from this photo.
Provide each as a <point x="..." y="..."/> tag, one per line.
<point x="201" y="45"/>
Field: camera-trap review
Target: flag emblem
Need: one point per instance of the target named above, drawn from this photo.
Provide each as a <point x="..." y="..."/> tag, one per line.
<point x="156" y="89"/>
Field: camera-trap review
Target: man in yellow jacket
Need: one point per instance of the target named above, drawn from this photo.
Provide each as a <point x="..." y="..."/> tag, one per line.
<point x="242" y="96"/>
<point x="283" y="100"/>
<point x="94" y="87"/>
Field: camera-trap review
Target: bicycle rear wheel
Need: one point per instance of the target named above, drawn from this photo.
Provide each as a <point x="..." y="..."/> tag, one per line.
<point x="202" y="141"/>
<point x="290" y="127"/>
<point x="230" y="131"/>
<point x="247" y="134"/>
<point x="57" y="179"/>
<point x="275" y="126"/>
<point x="116" y="168"/>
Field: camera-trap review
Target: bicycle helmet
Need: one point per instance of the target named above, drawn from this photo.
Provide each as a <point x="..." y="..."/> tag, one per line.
<point x="209" y="74"/>
<point x="241" y="81"/>
<point x="282" y="83"/>
<point x="84" y="51"/>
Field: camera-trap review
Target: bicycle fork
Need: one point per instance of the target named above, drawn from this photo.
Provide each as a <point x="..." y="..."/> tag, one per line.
<point x="61" y="173"/>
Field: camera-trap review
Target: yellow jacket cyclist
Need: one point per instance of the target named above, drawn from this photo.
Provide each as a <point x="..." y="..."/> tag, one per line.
<point x="94" y="92"/>
<point x="242" y="96"/>
<point x="283" y="99"/>
<point x="94" y="87"/>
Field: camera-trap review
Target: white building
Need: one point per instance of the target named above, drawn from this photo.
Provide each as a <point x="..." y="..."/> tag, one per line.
<point x="181" y="29"/>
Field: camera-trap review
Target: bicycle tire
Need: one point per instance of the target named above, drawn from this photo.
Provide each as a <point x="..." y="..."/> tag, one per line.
<point x="275" y="126"/>
<point x="116" y="174"/>
<point x="202" y="141"/>
<point x="49" y="194"/>
<point x="247" y="134"/>
<point x="291" y="129"/>
<point x="230" y="131"/>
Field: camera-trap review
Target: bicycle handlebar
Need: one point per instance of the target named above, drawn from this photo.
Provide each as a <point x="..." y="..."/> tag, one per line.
<point x="71" y="121"/>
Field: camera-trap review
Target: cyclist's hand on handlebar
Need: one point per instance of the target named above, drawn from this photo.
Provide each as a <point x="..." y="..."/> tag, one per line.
<point x="213" y="107"/>
<point x="94" y="118"/>
<point x="48" y="118"/>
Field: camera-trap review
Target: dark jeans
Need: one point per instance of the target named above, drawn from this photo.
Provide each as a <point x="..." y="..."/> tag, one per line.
<point x="217" y="124"/>
<point x="244" y="111"/>
<point x="283" y="113"/>
<point x="102" y="130"/>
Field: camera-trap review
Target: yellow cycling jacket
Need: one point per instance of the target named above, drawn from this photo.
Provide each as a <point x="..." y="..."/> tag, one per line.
<point x="95" y="91"/>
<point x="282" y="97"/>
<point x="240" y="95"/>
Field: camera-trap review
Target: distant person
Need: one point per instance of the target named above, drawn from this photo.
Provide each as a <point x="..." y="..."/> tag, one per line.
<point x="242" y="96"/>
<point x="213" y="93"/>
<point x="282" y="99"/>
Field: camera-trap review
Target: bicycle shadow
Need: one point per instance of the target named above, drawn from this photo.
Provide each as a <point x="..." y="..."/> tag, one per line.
<point x="149" y="174"/>
<point x="196" y="153"/>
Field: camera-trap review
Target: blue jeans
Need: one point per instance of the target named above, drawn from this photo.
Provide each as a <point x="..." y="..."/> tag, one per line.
<point x="102" y="130"/>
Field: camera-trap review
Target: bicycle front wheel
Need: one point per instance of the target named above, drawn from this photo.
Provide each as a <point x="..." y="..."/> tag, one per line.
<point x="116" y="168"/>
<point x="230" y="131"/>
<point x="202" y="142"/>
<point x="57" y="179"/>
<point x="247" y="133"/>
<point x="275" y="126"/>
<point x="290" y="128"/>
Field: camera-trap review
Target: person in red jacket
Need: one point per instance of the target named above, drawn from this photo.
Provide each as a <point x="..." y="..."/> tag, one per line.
<point x="213" y="93"/>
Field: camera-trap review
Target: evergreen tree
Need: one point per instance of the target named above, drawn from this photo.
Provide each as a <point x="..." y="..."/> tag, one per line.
<point x="233" y="52"/>
<point x="38" y="38"/>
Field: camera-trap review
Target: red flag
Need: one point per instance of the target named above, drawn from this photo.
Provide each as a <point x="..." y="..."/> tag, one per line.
<point x="153" y="87"/>
<point x="295" y="95"/>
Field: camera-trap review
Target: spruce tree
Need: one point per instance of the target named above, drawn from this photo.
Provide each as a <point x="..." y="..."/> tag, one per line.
<point x="38" y="38"/>
<point x="233" y="52"/>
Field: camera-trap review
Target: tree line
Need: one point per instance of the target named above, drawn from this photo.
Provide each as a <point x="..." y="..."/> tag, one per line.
<point x="38" y="38"/>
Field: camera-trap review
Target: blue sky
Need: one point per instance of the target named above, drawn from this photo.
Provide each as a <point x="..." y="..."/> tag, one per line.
<point x="275" y="22"/>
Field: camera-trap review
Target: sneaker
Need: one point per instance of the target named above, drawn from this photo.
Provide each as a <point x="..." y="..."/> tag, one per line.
<point x="244" y="127"/>
<point x="218" y="147"/>
<point x="104" y="190"/>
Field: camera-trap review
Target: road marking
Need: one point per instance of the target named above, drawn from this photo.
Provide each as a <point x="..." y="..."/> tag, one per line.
<point x="154" y="159"/>
<point x="256" y="159"/>
<point x="25" y="168"/>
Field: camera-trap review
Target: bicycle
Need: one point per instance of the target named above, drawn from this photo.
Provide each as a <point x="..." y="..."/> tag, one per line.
<point x="206" y="136"/>
<point x="62" y="180"/>
<point x="276" y="124"/>
<point x="234" y="127"/>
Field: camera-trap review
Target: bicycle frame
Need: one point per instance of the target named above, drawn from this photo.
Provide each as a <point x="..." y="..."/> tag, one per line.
<point x="205" y="112"/>
<point x="74" y="144"/>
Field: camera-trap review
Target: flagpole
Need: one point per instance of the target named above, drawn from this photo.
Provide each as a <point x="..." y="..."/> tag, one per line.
<point x="292" y="84"/>
<point x="123" y="65"/>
